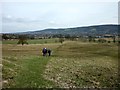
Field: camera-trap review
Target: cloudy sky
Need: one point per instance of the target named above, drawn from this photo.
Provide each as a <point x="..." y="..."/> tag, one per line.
<point x="24" y="15"/>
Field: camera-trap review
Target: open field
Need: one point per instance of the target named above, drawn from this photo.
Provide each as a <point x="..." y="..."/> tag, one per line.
<point x="34" y="41"/>
<point x="72" y="64"/>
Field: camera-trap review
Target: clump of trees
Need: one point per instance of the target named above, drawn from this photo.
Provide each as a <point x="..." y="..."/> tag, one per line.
<point x="9" y="36"/>
<point x="114" y="40"/>
<point x="101" y="40"/>
<point x="22" y="39"/>
<point x="61" y="40"/>
<point x="90" y="39"/>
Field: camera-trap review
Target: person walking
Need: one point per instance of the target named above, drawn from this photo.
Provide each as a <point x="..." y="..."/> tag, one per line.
<point x="44" y="51"/>
<point x="49" y="52"/>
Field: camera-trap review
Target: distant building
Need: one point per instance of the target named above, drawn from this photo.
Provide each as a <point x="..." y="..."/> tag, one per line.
<point x="108" y="36"/>
<point x="98" y="36"/>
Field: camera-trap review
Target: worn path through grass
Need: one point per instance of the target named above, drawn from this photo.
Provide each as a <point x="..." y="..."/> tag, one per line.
<point x="23" y="66"/>
<point x="31" y="73"/>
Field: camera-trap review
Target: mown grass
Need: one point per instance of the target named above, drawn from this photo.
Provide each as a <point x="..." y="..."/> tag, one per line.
<point x="30" y="75"/>
<point x="26" y="74"/>
<point x="23" y="66"/>
<point x="72" y="64"/>
<point x="34" y="41"/>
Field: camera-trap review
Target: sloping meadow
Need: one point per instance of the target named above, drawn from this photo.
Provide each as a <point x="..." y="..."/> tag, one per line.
<point x="72" y="64"/>
<point x="84" y="65"/>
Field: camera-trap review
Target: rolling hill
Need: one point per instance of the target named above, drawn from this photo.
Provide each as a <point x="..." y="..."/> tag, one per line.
<point x="89" y="30"/>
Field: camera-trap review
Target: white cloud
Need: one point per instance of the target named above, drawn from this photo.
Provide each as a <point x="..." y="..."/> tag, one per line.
<point x="8" y="16"/>
<point x="10" y="19"/>
<point x="52" y="22"/>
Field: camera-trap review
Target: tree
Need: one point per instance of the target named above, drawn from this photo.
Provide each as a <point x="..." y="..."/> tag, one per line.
<point x="109" y="41"/>
<point x="61" y="40"/>
<point x="67" y="36"/>
<point x="114" y="39"/>
<point x="101" y="40"/>
<point x="22" y="39"/>
<point x="90" y="38"/>
<point x="5" y="36"/>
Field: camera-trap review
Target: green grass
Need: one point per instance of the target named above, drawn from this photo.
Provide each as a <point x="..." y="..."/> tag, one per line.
<point x="43" y="41"/>
<point x="31" y="72"/>
<point x="72" y="64"/>
<point x="9" y="41"/>
<point x="34" y="41"/>
<point x="22" y="60"/>
<point x="28" y="74"/>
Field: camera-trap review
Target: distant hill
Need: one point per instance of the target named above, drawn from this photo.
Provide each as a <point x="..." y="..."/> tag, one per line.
<point x="89" y="30"/>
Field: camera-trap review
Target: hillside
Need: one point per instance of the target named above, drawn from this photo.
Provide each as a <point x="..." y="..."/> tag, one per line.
<point x="89" y="30"/>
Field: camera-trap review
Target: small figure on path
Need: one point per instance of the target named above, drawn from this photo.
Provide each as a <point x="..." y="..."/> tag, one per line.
<point x="44" y="51"/>
<point x="49" y="52"/>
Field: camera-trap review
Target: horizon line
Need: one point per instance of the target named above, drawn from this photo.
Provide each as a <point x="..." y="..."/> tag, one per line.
<point x="57" y="28"/>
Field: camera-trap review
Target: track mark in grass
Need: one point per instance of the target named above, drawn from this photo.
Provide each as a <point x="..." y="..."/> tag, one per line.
<point x="10" y="63"/>
<point x="31" y="75"/>
<point x="9" y="70"/>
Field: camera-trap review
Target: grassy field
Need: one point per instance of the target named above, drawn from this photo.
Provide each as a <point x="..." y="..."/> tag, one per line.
<point x="72" y="64"/>
<point x="34" y="41"/>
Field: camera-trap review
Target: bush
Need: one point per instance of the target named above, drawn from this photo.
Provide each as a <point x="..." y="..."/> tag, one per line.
<point x="61" y="40"/>
<point x="22" y="40"/>
<point x="109" y="41"/>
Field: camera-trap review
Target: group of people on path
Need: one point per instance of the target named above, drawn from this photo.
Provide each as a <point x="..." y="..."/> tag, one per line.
<point x="45" y="51"/>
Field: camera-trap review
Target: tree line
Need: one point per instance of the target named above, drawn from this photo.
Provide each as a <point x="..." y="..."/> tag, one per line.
<point x="22" y="39"/>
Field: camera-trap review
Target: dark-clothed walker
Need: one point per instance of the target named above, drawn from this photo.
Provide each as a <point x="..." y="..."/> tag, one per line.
<point x="49" y="52"/>
<point x="44" y="51"/>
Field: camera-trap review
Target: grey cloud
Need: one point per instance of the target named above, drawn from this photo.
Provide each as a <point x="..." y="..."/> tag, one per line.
<point x="18" y="20"/>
